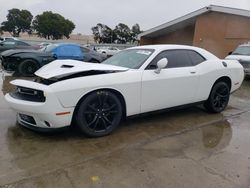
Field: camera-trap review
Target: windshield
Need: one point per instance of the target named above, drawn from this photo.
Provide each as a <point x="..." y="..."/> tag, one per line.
<point x="49" y="48"/>
<point x="242" y="50"/>
<point x="132" y="59"/>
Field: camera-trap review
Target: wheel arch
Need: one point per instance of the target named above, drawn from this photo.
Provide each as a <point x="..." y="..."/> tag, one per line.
<point x="225" y="79"/>
<point x="24" y="56"/>
<point x="114" y="91"/>
<point x="32" y="59"/>
<point x="23" y="62"/>
<point x="209" y="105"/>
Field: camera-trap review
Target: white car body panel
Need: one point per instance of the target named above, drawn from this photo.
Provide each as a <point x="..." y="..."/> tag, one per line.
<point x="41" y="112"/>
<point x="208" y="76"/>
<point x="142" y="90"/>
<point x="242" y="58"/>
<point x="29" y="84"/>
<point x="109" y="50"/>
<point x="54" y="68"/>
<point x="238" y="57"/>
<point x="242" y="54"/>
<point x="170" y="85"/>
<point x="126" y="83"/>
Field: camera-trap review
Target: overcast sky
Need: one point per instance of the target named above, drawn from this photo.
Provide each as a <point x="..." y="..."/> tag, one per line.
<point x="87" y="13"/>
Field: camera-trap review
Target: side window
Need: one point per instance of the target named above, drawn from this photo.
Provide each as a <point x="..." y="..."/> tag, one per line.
<point x="20" y="43"/>
<point x="176" y="58"/>
<point x="195" y="57"/>
<point x="84" y="50"/>
<point x="153" y="64"/>
<point x="8" y="43"/>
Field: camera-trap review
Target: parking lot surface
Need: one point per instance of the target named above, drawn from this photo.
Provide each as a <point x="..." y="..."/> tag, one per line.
<point x="182" y="148"/>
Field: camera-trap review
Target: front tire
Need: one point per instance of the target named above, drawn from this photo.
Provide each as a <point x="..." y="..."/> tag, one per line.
<point x="218" y="98"/>
<point x="28" y="67"/>
<point x="99" y="113"/>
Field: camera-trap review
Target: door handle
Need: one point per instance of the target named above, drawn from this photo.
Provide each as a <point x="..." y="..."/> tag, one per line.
<point x="192" y="72"/>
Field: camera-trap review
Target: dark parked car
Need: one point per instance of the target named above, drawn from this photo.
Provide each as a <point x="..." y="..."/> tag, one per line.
<point x="44" y="44"/>
<point x="8" y="38"/>
<point x="14" y="44"/>
<point x="26" y="62"/>
<point x="242" y="54"/>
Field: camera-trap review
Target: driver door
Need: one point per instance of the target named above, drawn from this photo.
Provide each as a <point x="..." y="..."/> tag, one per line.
<point x="175" y="85"/>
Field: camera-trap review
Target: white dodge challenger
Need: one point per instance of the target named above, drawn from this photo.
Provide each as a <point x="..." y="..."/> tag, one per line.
<point x="95" y="97"/>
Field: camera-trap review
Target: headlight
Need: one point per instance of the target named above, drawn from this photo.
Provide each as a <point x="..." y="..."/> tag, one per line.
<point x="28" y="94"/>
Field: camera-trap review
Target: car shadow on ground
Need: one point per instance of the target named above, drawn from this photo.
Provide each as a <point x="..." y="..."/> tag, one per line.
<point x="176" y="120"/>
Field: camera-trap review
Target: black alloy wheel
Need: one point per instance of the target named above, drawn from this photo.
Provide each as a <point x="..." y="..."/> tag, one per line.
<point x="218" y="98"/>
<point x="99" y="114"/>
<point x="27" y="67"/>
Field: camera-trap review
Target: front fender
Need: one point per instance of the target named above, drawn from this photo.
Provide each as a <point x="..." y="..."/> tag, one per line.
<point x="70" y="92"/>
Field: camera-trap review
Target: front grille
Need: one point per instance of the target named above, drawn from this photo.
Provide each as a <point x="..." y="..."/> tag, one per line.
<point x="28" y="94"/>
<point x="245" y="64"/>
<point x="27" y="119"/>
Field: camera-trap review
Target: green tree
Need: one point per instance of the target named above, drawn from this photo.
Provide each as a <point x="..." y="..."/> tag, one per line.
<point x="17" y="21"/>
<point x="103" y="34"/>
<point x="123" y="33"/>
<point x="135" y="31"/>
<point x="51" y="25"/>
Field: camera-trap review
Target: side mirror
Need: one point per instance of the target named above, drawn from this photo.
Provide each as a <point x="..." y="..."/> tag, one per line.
<point x="230" y="53"/>
<point x="161" y="64"/>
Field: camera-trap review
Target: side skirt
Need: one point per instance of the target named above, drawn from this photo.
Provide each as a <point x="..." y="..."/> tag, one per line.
<point x="167" y="109"/>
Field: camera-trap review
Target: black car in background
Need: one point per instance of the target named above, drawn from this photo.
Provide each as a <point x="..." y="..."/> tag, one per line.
<point x="26" y="62"/>
<point x="15" y="44"/>
<point x="8" y="38"/>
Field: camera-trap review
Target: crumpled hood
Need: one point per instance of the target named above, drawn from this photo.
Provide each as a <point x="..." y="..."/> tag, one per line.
<point x="13" y="52"/>
<point x="61" y="68"/>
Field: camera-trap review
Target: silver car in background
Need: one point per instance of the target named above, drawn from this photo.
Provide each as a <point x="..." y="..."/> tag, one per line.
<point x="242" y="54"/>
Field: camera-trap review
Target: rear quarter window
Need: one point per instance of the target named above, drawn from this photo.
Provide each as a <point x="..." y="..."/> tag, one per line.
<point x="195" y="57"/>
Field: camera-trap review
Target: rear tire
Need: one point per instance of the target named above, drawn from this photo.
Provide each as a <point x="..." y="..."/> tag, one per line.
<point x="99" y="114"/>
<point x="28" y="67"/>
<point x="218" y="98"/>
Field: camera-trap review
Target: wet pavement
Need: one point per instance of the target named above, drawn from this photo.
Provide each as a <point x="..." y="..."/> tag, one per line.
<point x="183" y="148"/>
